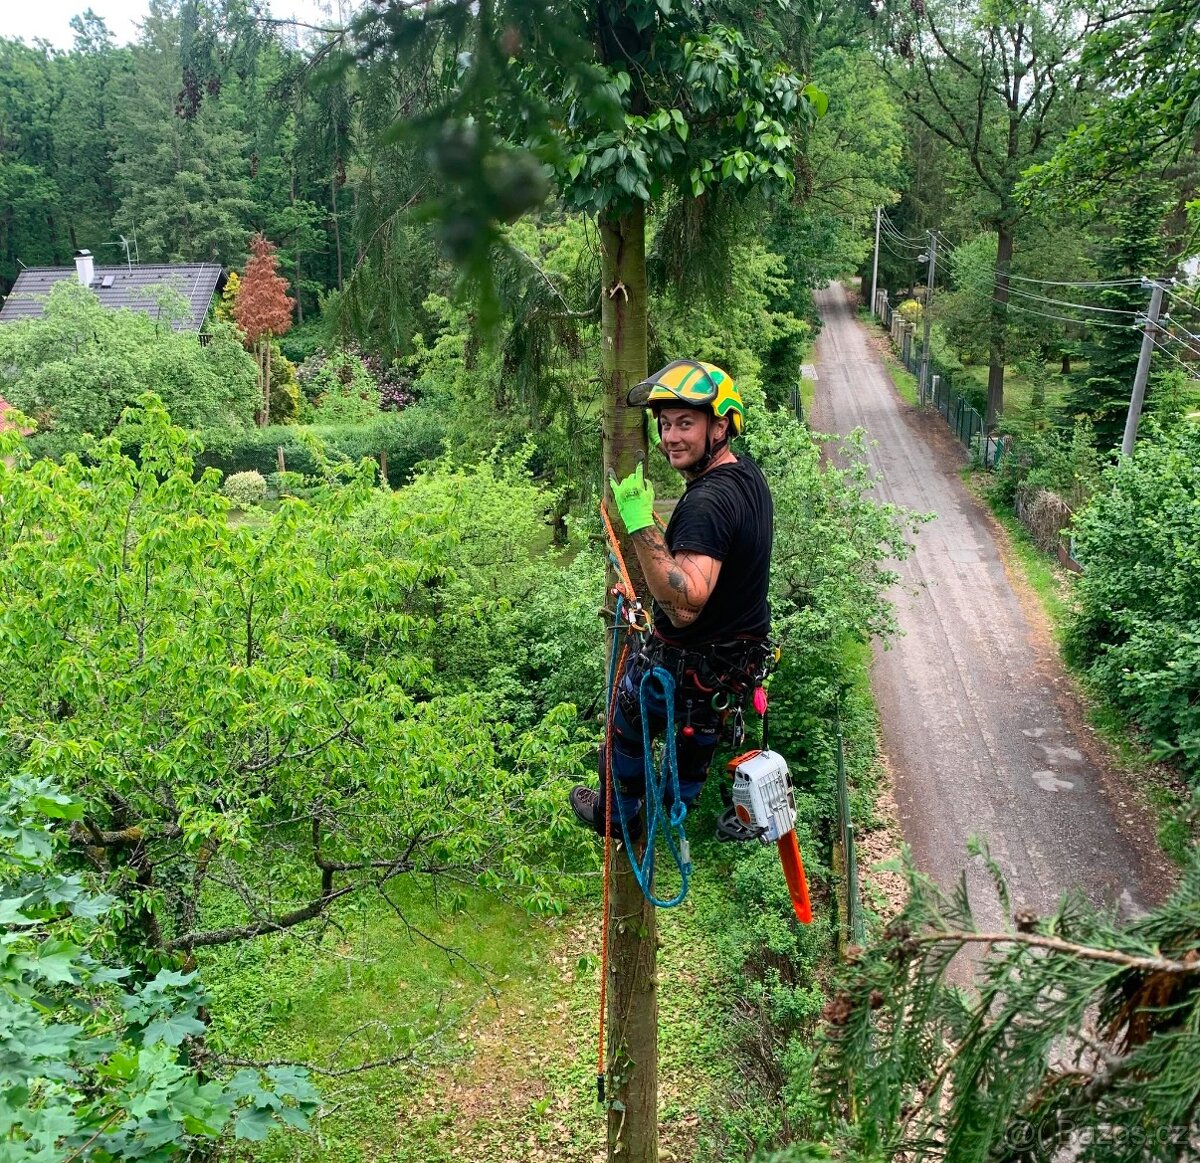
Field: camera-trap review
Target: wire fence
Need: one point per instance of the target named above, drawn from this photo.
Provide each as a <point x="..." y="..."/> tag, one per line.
<point x="943" y="387"/>
<point x="852" y="927"/>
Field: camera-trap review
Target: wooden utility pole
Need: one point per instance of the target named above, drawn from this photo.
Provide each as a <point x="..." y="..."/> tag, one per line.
<point x="927" y="313"/>
<point x="1143" y="369"/>
<point x="632" y="1059"/>
<point x="875" y="263"/>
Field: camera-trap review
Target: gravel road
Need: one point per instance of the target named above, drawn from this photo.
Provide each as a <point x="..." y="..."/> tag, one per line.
<point x="980" y="724"/>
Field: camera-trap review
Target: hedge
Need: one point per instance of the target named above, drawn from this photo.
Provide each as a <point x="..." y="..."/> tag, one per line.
<point x="408" y="437"/>
<point x="1136" y="628"/>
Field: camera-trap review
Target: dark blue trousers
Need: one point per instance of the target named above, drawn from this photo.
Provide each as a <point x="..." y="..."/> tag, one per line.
<point x="694" y="751"/>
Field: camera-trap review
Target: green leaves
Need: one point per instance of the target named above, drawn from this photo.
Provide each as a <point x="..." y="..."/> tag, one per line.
<point x="622" y="102"/>
<point x="1135" y="627"/>
<point x="115" y="1080"/>
<point x="56" y="806"/>
<point x="817" y="99"/>
<point x="80" y="365"/>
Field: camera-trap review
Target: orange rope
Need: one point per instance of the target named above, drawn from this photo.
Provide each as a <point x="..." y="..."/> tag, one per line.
<point x="625" y="588"/>
<point x="601" y="1065"/>
<point x="629" y="592"/>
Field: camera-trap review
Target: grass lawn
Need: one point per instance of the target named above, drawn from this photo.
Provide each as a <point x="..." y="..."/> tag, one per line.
<point x="808" y="395"/>
<point x="1018" y="391"/>
<point x="509" y="1071"/>
<point x="905" y="381"/>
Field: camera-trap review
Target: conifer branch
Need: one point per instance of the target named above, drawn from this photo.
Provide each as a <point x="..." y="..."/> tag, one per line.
<point x="1057" y="945"/>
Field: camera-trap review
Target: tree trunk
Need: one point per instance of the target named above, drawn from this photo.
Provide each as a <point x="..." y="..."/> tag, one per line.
<point x="264" y="381"/>
<point x="299" y="297"/>
<point x="632" y="1062"/>
<point x="333" y="218"/>
<point x="267" y="381"/>
<point x="1065" y="369"/>
<point x="299" y="235"/>
<point x="995" y="392"/>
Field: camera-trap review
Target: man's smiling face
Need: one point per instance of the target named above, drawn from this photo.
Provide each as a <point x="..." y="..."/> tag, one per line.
<point x="685" y="435"/>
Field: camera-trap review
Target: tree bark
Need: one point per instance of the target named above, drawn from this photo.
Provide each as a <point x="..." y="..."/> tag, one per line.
<point x="333" y="219"/>
<point x="299" y="235"/>
<point x="632" y="1062"/>
<point x="999" y="320"/>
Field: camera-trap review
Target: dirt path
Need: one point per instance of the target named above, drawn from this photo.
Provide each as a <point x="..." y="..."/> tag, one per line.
<point x="980" y="723"/>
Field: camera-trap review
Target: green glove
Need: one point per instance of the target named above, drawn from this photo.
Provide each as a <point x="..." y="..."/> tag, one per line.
<point x="635" y="500"/>
<point x="650" y="424"/>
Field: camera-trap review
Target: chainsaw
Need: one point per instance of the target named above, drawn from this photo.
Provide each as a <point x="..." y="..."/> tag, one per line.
<point x="765" y="806"/>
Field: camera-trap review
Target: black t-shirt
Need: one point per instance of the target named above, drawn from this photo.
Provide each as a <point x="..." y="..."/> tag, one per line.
<point x="726" y="514"/>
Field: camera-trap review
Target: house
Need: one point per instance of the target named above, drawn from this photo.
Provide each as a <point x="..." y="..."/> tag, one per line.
<point x="119" y="286"/>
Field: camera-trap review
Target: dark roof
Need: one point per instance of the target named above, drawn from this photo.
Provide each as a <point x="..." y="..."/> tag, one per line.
<point x="196" y="282"/>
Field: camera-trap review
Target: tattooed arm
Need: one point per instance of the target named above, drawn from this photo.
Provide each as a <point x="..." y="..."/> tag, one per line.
<point x="682" y="582"/>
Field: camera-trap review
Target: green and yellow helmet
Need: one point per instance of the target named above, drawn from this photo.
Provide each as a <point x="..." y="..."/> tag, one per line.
<point x="692" y="384"/>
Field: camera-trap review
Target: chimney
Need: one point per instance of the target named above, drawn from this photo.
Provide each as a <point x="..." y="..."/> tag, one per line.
<point x="84" y="267"/>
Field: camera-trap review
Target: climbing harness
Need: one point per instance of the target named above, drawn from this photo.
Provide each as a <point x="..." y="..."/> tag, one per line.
<point x="664" y="808"/>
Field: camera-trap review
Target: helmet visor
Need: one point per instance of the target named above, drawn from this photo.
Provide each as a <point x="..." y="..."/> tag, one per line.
<point x="685" y="380"/>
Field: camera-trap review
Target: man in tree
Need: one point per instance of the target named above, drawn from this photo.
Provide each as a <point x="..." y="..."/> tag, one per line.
<point x="708" y="577"/>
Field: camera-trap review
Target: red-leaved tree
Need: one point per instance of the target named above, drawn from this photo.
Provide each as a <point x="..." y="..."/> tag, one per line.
<point x="263" y="311"/>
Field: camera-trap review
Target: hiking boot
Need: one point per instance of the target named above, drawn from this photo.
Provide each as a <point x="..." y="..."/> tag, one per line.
<point x="589" y="811"/>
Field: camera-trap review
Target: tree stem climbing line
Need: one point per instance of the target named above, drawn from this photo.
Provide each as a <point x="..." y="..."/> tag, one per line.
<point x="629" y="619"/>
<point x="606" y="910"/>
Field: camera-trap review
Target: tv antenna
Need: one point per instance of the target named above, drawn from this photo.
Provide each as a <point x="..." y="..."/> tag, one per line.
<point x="130" y="248"/>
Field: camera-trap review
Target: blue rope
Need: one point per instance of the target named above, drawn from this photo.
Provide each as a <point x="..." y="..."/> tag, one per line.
<point x="659" y="781"/>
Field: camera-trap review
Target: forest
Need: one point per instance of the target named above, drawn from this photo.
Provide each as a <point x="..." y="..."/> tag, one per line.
<point x="301" y="654"/>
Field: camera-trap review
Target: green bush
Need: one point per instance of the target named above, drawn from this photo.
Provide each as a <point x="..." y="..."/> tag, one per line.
<point x="76" y="368"/>
<point x="515" y="624"/>
<point x="97" y="1058"/>
<point x="408" y="438"/>
<point x="245" y="488"/>
<point x="1039" y="456"/>
<point x="303" y="340"/>
<point x="1136" y="630"/>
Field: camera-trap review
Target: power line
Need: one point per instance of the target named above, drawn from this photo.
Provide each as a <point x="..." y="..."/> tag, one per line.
<point x="1082" y="283"/>
<point x="1183" y="342"/>
<point x="944" y="267"/>
<point x="1191" y="304"/>
<point x="896" y="231"/>
<point x="1068" y="319"/>
<point x="1069" y="303"/>
<point x="903" y="243"/>
<point x="1064" y="303"/>
<point x="1192" y="372"/>
<point x="910" y="258"/>
<point x="891" y="235"/>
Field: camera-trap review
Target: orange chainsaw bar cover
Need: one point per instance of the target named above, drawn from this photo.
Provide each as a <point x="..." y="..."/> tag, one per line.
<point x="793" y="871"/>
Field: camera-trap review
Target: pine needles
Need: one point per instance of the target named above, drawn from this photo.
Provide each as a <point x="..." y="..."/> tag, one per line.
<point x="1080" y="1038"/>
